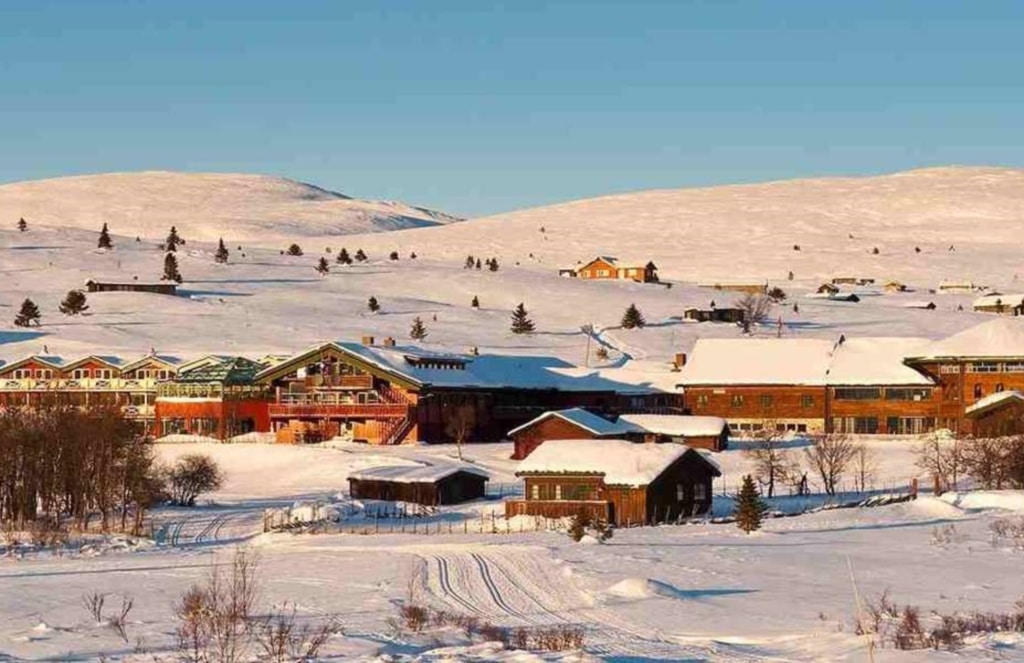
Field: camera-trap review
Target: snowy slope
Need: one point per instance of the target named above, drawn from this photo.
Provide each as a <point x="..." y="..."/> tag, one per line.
<point x="205" y="206"/>
<point x="749" y="231"/>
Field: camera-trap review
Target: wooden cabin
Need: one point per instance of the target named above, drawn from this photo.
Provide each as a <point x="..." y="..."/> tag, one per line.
<point x="616" y="481"/>
<point x="571" y="424"/>
<point x="827" y="289"/>
<point x="156" y="287"/>
<point x="744" y="287"/>
<point x="728" y="315"/>
<point x="429" y="485"/>
<point x="895" y="286"/>
<point x="607" y="267"/>
<point x="998" y="415"/>
<point x="1000" y="304"/>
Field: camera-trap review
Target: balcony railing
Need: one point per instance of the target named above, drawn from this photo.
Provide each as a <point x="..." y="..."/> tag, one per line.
<point x="363" y="382"/>
<point x="367" y="410"/>
<point x="77" y="384"/>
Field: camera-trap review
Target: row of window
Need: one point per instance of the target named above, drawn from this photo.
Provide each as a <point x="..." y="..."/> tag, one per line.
<point x="893" y="425"/>
<point x="754" y="427"/>
<point x="86" y="373"/>
<point x="841" y="394"/>
<point x="576" y="492"/>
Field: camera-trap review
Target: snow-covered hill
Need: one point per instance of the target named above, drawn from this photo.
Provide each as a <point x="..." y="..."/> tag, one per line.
<point x="751" y="230"/>
<point x="205" y="206"/>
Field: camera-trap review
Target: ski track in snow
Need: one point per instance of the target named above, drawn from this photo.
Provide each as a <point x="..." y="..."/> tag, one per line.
<point x="513" y="588"/>
<point x="206" y="527"/>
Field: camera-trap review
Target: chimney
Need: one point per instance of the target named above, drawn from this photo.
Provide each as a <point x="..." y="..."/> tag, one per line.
<point x="679" y="360"/>
<point x="389" y="342"/>
<point x="368" y="340"/>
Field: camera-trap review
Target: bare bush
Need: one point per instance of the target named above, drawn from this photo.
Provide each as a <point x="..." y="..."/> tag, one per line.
<point x="830" y="457"/>
<point x="773" y="463"/>
<point x="191" y="476"/>
<point x="1008" y="532"/>
<point x="944" y="535"/>
<point x="119" y="621"/>
<point x="93" y="603"/>
<point x="755" y="310"/>
<point x="943" y="459"/>
<point x="415" y="617"/>
<point x="864" y="466"/>
<point x="283" y="640"/>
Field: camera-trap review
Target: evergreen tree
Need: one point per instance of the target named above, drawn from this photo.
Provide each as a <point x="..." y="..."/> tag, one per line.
<point x="412" y="256"/>
<point x="322" y="267"/>
<point x="478" y="263"/>
<point x="476" y="302"/>
<point x="394" y="255"/>
<point x="105" y="242"/>
<point x="493" y="265"/>
<point x="173" y="240"/>
<point x="294" y="250"/>
<point x="28" y="315"/>
<point x="171" y="272"/>
<point x="343" y="257"/>
<point x="521" y="323"/>
<point x="360" y="256"/>
<point x="750" y="509"/>
<point x="470" y="262"/>
<point x="22" y="224"/>
<point x="372" y="304"/>
<point x="418" y="332"/>
<point x="73" y="303"/>
<point x="221" y="255"/>
<point x="633" y="318"/>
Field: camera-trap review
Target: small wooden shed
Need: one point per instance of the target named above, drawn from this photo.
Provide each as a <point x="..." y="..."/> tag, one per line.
<point x="156" y="287"/>
<point x="430" y="485"/>
<point x="997" y="415"/>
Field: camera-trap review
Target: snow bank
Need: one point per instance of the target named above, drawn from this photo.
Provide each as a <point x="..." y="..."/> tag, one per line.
<point x="1008" y="500"/>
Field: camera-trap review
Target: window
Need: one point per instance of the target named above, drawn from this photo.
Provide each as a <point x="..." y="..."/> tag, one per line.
<point x="983" y="367"/>
<point x="858" y="393"/>
<point x="1013" y="367"/>
<point x="949" y="368"/>
<point x="558" y="491"/>
<point x="680" y="492"/>
<point x="978" y="391"/>
<point x="44" y="373"/>
<point x="999" y="387"/>
<point x="907" y="394"/>
<point x="766" y="400"/>
<point x="700" y="492"/>
<point x="806" y="401"/>
<point x="22" y="373"/>
<point x="856" y="425"/>
<point x="534" y="492"/>
<point x="79" y="374"/>
<point x="104" y="373"/>
<point x="702" y="400"/>
<point x="909" y="425"/>
<point x="737" y="400"/>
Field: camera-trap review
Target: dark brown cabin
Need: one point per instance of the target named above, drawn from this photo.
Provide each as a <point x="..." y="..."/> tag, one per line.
<point x="161" y="288"/>
<point x="418" y="485"/>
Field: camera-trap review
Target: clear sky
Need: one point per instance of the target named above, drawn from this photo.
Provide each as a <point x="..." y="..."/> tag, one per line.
<point x="476" y="107"/>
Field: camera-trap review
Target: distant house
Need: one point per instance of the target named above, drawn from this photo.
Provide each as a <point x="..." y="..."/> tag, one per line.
<point x="606" y="267"/>
<point x="616" y="481"/>
<point x="430" y="485"/>
<point x="824" y="292"/>
<point x="156" y="287"/>
<point x="895" y="286"/>
<point x="827" y="289"/>
<point x="571" y="424"/>
<point x="952" y="287"/>
<point x="852" y="280"/>
<point x="732" y="315"/>
<point x="710" y="433"/>
<point x="567" y="272"/>
<point x="996" y="302"/>
<point x="926" y="305"/>
<point x="745" y="287"/>
<point x="845" y="297"/>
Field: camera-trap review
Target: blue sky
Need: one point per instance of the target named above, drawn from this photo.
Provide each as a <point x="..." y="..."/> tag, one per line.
<point x="477" y="107"/>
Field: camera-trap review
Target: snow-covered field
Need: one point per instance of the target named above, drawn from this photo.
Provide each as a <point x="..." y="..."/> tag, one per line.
<point x="694" y="592"/>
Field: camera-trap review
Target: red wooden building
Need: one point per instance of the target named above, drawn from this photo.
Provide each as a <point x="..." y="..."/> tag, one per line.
<point x="615" y="481"/>
<point x="607" y="267"/>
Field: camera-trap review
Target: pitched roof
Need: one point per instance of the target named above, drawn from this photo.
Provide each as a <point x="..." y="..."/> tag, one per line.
<point x="52" y="361"/>
<point x="581" y="418"/>
<point x="875" y="361"/>
<point x="167" y="360"/>
<point x="998" y="338"/>
<point x="998" y="299"/>
<point x="620" y="462"/>
<point x="109" y="360"/>
<point x="230" y="370"/>
<point x="423" y="473"/>
<point x="675" y="425"/>
<point x="993" y="401"/>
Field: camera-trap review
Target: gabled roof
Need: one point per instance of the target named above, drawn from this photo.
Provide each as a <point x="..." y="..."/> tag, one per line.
<point x="614" y="262"/>
<point x="581" y="418"/>
<point x="675" y="425"/>
<point x="166" y="360"/>
<point x="998" y="299"/>
<point x="231" y="370"/>
<point x="52" y="361"/>
<point x="876" y="361"/>
<point x="619" y="462"/>
<point x="996" y="339"/>
<point x="108" y="360"/>
<point x="994" y="402"/>
<point x="423" y="473"/>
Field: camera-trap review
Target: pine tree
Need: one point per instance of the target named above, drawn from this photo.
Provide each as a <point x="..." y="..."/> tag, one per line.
<point x="412" y="256"/>
<point x="394" y="255"/>
<point x="418" y="332"/>
<point x="294" y="250"/>
<point x="22" y="224"/>
<point x="470" y="262"/>
<point x="343" y="257"/>
<point x="221" y="255"/>
<point x="493" y="265"/>
<point x="521" y="323"/>
<point x="28" y="315"/>
<point x="105" y="242"/>
<point x="73" y="303"/>
<point x="750" y="509"/>
<point x="171" y="272"/>
<point x="322" y="267"/>
<point x="476" y="302"/>
<point x="360" y="256"/>
<point x="478" y="263"/>
<point x="173" y="240"/>
<point x="633" y="318"/>
<point x="372" y="304"/>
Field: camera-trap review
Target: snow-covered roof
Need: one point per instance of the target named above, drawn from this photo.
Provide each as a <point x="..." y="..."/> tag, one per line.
<point x="998" y="338"/>
<point x="993" y="401"/>
<point x="675" y="425"/>
<point x="998" y="299"/>
<point x="426" y="473"/>
<point x="758" y="361"/>
<point x="803" y="361"/>
<point x="577" y="416"/>
<point x="622" y="463"/>
<point x="109" y="360"/>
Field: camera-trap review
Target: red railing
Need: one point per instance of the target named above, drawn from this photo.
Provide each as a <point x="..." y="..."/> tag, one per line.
<point x="368" y="410"/>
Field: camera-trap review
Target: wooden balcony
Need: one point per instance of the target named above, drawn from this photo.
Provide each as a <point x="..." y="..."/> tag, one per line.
<point x="298" y="410"/>
<point x="355" y="382"/>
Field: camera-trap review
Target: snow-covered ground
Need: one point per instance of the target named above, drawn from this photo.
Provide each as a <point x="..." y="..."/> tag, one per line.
<point x="689" y="592"/>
